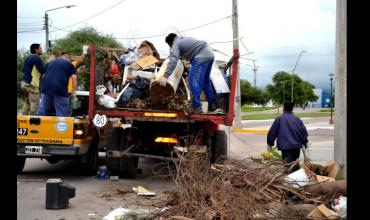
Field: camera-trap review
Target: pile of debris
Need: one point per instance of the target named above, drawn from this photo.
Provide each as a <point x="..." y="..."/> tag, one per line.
<point x="248" y="190"/>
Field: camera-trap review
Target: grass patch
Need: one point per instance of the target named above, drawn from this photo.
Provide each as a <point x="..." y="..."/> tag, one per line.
<point x="273" y="116"/>
<point x="326" y="110"/>
<point x="255" y="109"/>
<point x="20" y="102"/>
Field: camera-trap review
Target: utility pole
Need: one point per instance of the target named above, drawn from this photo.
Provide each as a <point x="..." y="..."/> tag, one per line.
<point x="47" y="25"/>
<point x="300" y="54"/>
<point x="340" y="128"/>
<point x="46" y="33"/>
<point x="237" y="119"/>
<point x="255" y="76"/>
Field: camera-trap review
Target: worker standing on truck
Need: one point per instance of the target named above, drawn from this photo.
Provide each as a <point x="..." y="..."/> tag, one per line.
<point x="201" y="57"/>
<point x="291" y="135"/>
<point x="54" y="86"/>
<point x="32" y="70"/>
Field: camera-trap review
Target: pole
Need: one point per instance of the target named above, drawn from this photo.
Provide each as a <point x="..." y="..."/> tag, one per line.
<point x="47" y="33"/>
<point x="331" y="102"/>
<point x="284" y="92"/>
<point x="237" y="119"/>
<point x="300" y="54"/>
<point x="255" y="76"/>
<point x="47" y="25"/>
<point x="340" y="128"/>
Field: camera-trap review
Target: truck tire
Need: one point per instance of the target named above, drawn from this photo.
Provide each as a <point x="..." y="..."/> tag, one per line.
<point x="20" y="164"/>
<point x="128" y="165"/>
<point x="219" y="146"/>
<point x="52" y="160"/>
<point x="114" y="143"/>
<point x="89" y="161"/>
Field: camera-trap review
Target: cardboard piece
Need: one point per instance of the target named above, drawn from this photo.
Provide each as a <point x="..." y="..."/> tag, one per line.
<point x="147" y="61"/>
<point x="329" y="169"/>
<point x="324" y="179"/>
<point x="321" y="212"/>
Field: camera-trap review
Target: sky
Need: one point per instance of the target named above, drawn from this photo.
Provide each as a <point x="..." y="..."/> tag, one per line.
<point x="271" y="32"/>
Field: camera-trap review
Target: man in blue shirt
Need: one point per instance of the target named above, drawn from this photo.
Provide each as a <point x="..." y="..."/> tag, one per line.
<point x="290" y="133"/>
<point x="32" y="70"/>
<point x="54" y="90"/>
<point x="201" y="57"/>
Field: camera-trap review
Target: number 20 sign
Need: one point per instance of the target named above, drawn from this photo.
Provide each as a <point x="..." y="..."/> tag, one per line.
<point x="100" y="120"/>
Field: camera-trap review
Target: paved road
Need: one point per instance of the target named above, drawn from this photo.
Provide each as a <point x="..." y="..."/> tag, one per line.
<point x="31" y="191"/>
<point x="273" y="111"/>
<point x="31" y="184"/>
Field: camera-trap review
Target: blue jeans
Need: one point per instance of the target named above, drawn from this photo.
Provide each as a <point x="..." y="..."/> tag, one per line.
<point x="62" y="105"/>
<point x="199" y="80"/>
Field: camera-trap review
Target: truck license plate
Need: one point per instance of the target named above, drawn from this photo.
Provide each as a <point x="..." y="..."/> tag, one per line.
<point x="33" y="150"/>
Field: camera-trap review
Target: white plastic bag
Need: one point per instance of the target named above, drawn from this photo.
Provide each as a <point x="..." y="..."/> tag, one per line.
<point x="218" y="80"/>
<point x="298" y="178"/>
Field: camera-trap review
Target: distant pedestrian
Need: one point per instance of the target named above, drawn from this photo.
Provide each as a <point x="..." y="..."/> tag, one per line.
<point x="291" y="135"/>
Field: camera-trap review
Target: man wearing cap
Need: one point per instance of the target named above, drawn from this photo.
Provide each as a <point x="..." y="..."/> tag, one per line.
<point x="201" y="57"/>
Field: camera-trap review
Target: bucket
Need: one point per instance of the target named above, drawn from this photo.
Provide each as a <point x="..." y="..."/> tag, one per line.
<point x="204" y="107"/>
<point x="158" y="93"/>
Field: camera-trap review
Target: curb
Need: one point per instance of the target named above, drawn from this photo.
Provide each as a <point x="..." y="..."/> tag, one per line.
<point x="259" y="131"/>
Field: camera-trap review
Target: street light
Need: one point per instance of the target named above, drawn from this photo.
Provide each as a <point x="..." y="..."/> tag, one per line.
<point x="282" y="82"/>
<point x="47" y="25"/>
<point x="302" y="51"/>
<point x="331" y="121"/>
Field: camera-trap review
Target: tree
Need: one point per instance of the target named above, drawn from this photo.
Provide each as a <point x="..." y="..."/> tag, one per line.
<point x="280" y="90"/>
<point x="250" y="94"/>
<point x="74" y="42"/>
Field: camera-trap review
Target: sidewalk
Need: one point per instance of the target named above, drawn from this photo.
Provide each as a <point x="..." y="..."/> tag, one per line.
<point x="262" y="126"/>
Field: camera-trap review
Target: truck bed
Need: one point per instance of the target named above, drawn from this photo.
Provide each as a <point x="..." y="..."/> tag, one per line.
<point x="160" y="115"/>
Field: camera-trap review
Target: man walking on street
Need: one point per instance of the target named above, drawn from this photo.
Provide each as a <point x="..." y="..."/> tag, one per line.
<point x="290" y="133"/>
<point x="201" y="57"/>
<point x="54" y="86"/>
<point x="32" y="70"/>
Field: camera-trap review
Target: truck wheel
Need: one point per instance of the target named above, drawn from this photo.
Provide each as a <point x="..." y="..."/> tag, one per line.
<point x="89" y="161"/>
<point x="219" y="146"/>
<point x="128" y="165"/>
<point x="114" y="143"/>
<point x="52" y="160"/>
<point x="20" y="164"/>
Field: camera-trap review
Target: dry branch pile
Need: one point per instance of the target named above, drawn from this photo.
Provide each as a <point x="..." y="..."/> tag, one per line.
<point x="234" y="190"/>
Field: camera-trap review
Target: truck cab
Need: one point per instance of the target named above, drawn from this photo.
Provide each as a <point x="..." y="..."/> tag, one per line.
<point x="61" y="138"/>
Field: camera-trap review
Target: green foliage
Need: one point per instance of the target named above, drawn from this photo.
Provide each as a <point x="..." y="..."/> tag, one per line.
<point x="276" y="153"/>
<point x="280" y="90"/>
<point x="74" y="42"/>
<point x="250" y="94"/>
<point x="21" y="56"/>
<point x="274" y="115"/>
<point x="247" y="108"/>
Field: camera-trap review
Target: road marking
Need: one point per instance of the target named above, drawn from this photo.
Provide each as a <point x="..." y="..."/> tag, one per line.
<point x="259" y="131"/>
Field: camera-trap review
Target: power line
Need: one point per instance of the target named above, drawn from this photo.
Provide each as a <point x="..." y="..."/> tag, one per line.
<point x="101" y="12"/>
<point x="189" y="29"/>
<point x="29" y="17"/>
<point x="28" y="31"/>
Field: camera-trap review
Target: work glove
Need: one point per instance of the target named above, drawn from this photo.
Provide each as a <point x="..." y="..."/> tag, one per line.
<point x="74" y="96"/>
<point x="269" y="148"/>
<point x="84" y="49"/>
<point x="162" y="81"/>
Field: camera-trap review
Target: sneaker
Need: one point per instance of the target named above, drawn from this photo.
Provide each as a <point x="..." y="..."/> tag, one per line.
<point x="197" y="110"/>
<point x="212" y="107"/>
